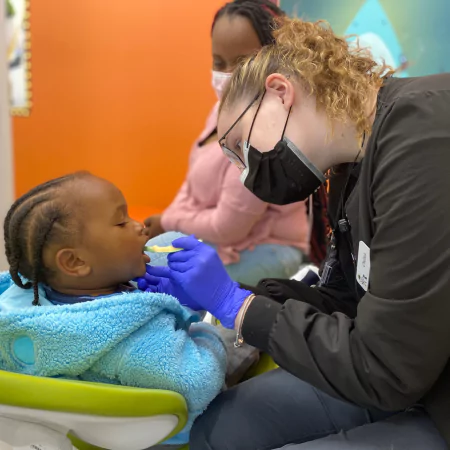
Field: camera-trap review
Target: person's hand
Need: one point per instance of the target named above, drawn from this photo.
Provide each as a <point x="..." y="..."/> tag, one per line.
<point x="153" y="281"/>
<point x="199" y="273"/>
<point x="153" y="226"/>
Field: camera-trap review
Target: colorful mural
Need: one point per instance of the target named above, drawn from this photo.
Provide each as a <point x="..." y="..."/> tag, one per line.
<point x="411" y="35"/>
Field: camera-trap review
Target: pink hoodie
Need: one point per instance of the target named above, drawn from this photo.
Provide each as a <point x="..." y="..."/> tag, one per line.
<point x="214" y="205"/>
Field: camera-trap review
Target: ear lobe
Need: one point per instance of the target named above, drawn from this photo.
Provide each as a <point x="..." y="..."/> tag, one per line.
<point x="68" y="262"/>
<point x="279" y="85"/>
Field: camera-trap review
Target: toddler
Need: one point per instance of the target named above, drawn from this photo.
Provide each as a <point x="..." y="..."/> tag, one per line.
<point x="67" y="309"/>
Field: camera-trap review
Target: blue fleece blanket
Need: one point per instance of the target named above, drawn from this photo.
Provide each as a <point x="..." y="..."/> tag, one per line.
<point x="133" y="339"/>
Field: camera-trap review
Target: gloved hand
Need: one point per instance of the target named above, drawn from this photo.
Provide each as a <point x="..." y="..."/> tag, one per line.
<point x="201" y="276"/>
<point x="153" y="281"/>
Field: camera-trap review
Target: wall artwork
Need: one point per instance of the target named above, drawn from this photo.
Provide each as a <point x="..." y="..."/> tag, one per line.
<point x="17" y="28"/>
<point x="410" y="35"/>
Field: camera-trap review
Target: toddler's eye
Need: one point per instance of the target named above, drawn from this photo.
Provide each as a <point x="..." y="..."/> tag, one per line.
<point x="122" y="225"/>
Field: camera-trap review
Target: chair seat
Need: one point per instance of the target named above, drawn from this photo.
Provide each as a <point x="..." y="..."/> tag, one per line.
<point x="108" y="416"/>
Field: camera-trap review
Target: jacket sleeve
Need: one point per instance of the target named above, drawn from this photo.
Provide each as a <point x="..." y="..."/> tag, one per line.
<point x="334" y="297"/>
<point x="170" y="353"/>
<point x="227" y="222"/>
<point x="392" y="353"/>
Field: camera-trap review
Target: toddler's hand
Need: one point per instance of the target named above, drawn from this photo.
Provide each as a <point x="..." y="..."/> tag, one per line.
<point x="154" y="281"/>
<point x="153" y="226"/>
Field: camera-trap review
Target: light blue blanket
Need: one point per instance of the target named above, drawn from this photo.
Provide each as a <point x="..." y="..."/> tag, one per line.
<point x="133" y="339"/>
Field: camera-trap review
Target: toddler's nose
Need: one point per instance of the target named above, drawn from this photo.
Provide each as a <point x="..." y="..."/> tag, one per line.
<point x="139" y="227"/>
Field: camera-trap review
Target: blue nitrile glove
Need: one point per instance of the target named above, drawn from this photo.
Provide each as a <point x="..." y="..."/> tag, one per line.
<point x="200" y="274"/>
<point x="153" y="281"/>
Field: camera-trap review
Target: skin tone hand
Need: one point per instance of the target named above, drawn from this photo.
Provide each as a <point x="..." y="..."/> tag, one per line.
<point x="153" y="226"/>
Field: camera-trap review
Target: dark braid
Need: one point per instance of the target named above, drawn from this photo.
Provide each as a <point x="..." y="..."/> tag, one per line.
<point x="34" y="220"/>
<point x="14" y="249"/>
<point x="261" y="14"/>
<point x="35" y="191"/>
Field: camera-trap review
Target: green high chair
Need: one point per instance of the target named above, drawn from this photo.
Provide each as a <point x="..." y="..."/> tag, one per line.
<point x="65" y="414"/>
<point x="62" y="414"/>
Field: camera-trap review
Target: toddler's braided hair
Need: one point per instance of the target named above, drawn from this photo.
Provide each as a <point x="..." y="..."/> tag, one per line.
<point x="34" y="220"/>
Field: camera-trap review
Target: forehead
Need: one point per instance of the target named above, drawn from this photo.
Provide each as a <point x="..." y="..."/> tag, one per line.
<point x="95" y="196"/>
<point x="234" y="36"/>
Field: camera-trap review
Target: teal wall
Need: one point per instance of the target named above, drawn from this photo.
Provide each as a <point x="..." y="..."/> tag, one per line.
<point x="415" y="31"/>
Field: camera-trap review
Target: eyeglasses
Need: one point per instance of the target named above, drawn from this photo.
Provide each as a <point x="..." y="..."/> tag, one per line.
<point x="230" y="154"/>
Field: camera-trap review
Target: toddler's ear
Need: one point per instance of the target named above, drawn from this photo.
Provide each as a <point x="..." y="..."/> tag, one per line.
<point x="69" y="262"/>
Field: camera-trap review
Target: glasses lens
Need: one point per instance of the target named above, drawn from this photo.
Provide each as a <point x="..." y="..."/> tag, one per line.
<point x="233" y="158"/>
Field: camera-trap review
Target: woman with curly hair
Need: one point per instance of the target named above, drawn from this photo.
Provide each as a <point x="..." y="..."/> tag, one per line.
<point x="364" y="355"/>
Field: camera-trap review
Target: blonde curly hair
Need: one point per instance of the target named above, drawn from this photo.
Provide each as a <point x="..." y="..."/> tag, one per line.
<point x="340" y="75"/>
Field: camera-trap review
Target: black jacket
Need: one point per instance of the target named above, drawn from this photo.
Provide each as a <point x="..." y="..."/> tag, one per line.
<point x="387" y="348"/>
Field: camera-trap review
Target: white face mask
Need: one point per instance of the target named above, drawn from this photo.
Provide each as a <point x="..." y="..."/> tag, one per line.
<point x="219" y="81"/>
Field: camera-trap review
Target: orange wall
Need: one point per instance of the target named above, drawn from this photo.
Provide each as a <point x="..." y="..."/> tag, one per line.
<point x="120" y="88"/>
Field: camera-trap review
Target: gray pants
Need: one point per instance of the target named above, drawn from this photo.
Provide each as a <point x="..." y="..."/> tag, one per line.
<point x="411" y="430"/>
<point x="277" y="410"/>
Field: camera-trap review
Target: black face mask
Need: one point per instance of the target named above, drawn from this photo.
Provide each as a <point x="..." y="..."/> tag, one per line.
<point x="281" y="176"/>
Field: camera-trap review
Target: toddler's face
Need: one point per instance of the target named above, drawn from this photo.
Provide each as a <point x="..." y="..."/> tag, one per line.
<point x="112" y="243"/>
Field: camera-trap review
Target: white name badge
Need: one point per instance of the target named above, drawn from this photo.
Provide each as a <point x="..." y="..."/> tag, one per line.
<point x="363" y="266"/>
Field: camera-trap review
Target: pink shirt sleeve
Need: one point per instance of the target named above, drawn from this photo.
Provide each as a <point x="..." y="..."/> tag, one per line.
<point x="229" y="222"/>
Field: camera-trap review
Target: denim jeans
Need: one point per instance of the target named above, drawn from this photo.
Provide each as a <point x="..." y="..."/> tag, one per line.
<point x="264" y="261"/>
<point x="277" y="410"/>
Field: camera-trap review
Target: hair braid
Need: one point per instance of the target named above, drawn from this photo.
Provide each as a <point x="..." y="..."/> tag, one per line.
<point x="37" y="268"/>
<point x="13" y="230"/>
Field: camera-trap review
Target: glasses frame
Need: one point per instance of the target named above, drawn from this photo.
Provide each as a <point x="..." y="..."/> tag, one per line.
<point x="230" y="154"/>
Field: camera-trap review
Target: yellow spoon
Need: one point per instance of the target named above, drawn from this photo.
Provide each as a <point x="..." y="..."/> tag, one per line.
<point x="167" y="249"/>
<point x="158" y="249"/>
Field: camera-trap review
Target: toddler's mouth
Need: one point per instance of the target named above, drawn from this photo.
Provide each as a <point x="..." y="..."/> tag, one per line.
<point x="147" y="258"/>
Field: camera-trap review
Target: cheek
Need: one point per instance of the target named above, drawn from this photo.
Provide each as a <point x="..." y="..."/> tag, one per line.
<point x="265" y="137"/>
<point x="119" y="245"/>
<point x="98" y="238"/>
<point x="133" y="244"/>
<point x="98" y="250"/>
